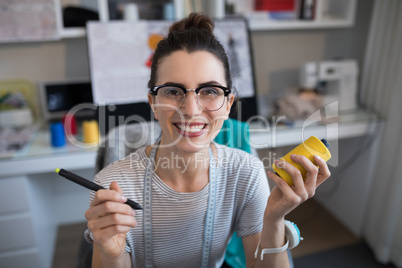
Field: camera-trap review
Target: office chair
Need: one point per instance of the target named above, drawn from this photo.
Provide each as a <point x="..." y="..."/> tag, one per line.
<point x="126" y="139"/>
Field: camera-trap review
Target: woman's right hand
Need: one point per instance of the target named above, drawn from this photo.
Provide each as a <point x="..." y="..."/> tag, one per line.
<point x="109" y="221"/>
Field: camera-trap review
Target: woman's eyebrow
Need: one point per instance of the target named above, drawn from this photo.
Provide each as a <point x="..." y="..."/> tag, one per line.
<point x="212" y="82"/>
<point x="174" y="84"/>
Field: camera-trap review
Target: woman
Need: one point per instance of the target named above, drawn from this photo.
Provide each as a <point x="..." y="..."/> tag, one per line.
<point x="195" y="193"/>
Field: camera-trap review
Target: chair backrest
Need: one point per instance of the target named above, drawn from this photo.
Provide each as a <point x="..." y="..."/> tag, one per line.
<point x="235" y="134"/>
<point x="124" y="140"/>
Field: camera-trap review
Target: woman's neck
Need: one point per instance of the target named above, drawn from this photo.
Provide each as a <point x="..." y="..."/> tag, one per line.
<point x="183" y="172"/>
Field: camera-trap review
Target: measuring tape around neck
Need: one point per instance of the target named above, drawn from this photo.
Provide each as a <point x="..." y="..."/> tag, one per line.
<point x="147" y="211"/>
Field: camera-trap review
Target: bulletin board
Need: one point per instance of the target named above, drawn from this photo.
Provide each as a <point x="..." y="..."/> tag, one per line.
<point x="120" y="58"/>
<point x="28" y="20"/>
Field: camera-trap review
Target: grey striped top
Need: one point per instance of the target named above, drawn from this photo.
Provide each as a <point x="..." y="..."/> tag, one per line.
<point x="178" y="219"/>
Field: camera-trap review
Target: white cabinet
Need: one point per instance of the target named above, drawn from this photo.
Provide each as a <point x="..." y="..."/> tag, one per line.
<point x="17" y="236"/>
<point x="20" y="224"/>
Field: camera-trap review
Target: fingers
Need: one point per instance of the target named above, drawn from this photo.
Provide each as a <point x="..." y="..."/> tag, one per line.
<point x="312" y="170"/>
<point x="108" y="226"/>
<point x="108" y="207"/>
<point x="109" y="204"/>
<point x="280" y="183"/>
<point x="310" y="183"/>
<point x="314" y="175"/>
<point x="124" y="221"/>
<point x="299" y="187"/>
<point x="115" y="194"/>
<point x="323" y="169"/>
<point x="115" y="186"/>
<point x="289" y="198"/>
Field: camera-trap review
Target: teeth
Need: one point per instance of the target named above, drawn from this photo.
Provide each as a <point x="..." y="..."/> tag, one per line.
<point x="191" y="129"/>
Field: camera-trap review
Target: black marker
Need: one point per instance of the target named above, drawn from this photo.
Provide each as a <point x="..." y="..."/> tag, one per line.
<point x="90" y="185"/>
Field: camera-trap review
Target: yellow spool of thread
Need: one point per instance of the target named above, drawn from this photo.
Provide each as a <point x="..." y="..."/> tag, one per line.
<point x="312" y="146"/>
<point x="90" y="131"/>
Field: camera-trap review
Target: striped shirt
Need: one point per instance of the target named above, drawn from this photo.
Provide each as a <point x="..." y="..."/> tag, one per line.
<point x="178" y="219"/>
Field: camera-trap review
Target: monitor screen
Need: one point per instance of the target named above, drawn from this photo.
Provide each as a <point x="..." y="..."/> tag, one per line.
<point x="61" y="96"/>
<point x="64" y="97"/>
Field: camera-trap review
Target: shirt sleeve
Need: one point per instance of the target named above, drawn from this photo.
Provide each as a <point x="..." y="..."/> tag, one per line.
<point x="250" y="220"/>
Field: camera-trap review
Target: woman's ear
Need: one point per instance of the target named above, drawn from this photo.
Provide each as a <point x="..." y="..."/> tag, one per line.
<point x="151" y="100"/>
<point x="230" y="101"/>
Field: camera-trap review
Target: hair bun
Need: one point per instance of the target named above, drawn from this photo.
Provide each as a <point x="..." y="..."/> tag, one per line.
<point x="198" y="21"/>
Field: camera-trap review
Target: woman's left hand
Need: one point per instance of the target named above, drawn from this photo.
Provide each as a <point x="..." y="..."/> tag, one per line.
<point x="284" y="198"/>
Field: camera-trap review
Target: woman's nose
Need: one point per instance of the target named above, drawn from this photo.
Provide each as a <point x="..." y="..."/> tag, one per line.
<point x="190" y="104"/>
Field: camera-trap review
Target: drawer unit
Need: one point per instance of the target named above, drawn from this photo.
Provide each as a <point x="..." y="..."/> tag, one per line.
<point x="21" y="258"/>
<point x="16" y="232"/>
<point x="17" y="235"/>
<point x="13" y="195"/>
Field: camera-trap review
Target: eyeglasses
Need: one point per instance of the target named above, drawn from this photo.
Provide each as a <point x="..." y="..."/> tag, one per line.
<point x="209" y="97"/>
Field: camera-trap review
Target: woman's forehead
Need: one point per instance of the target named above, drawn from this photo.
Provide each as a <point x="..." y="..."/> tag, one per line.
<point x="194" y="67"/>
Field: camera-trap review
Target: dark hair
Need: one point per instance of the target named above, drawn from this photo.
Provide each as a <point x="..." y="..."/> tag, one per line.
<point x="194" y="33"/>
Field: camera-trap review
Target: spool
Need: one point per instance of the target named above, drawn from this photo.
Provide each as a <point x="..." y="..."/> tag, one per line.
<point x="90" y="131"/>
<point x="312" y="146"/>
<point x="57" y="134"/>
<point x="70" y="125"/>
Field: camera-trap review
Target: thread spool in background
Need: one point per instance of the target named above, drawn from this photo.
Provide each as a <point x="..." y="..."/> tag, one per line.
<point x="312" y="146"/>
<point x="90" y="131"/>
<point x="57" y="134"/>
<point x="70" y="125"/>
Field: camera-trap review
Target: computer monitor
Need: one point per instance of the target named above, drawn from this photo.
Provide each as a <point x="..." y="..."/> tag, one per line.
<point x="59" y="97"/>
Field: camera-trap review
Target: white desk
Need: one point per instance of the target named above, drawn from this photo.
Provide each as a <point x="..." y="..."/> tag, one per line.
<point x="35" y="200"/>
<point x="38" y="200"/>
<point x="349" y="125"/>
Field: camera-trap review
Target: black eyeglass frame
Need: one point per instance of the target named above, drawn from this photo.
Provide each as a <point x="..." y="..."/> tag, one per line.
<point x="154" y="90"/>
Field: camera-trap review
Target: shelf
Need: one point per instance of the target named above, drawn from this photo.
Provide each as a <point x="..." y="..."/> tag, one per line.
<point x="262" y="25"/>
<point x="350" y="125"/>
<point x="255" y="25"/>
<point x="330" y="14"/>
<point x="73" y="32"/>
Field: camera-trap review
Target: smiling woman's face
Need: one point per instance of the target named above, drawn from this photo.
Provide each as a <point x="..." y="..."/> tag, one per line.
<point x="190" y="128"/>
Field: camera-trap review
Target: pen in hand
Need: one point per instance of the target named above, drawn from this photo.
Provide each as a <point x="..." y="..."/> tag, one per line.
<point x="90" y="185"/>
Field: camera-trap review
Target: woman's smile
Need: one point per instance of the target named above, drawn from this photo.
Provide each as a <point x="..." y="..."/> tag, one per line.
<point x="191" y="129"/>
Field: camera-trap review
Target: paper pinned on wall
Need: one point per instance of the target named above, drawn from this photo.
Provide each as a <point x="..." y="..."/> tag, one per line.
<point x="120" y="56"/>
<point x="233" y="34"/>
<point x="117" y="56"/>
<point x="28" y="20"/>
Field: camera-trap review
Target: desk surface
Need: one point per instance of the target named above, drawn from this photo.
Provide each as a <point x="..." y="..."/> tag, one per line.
<point x="349" y="125"/>
<point x="40" y="157"/>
